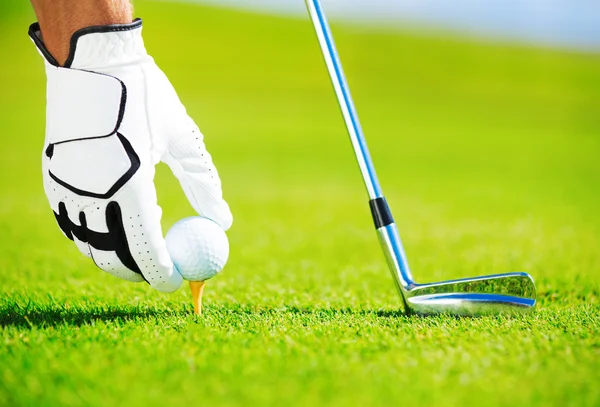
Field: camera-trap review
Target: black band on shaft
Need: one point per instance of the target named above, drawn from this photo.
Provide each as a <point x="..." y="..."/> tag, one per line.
<point x="382" y="216"/>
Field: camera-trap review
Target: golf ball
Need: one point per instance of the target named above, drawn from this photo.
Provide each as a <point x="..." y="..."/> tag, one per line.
<point x="198" y="247"/>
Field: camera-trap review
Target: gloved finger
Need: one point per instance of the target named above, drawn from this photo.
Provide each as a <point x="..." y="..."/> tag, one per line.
<point x="192" y="165"/>
<point x="105" y="244"/>
<point x="71" y="229"/>
<point x="80" y="239"/>
<point x="133" y="220"/>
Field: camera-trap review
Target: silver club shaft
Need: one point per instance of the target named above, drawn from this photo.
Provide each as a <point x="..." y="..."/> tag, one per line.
<point x="388" y="233"/>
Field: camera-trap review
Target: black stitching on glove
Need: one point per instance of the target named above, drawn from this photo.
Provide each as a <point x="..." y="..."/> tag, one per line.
<point x="115" y="240"/>
<point x="134" y="166"/>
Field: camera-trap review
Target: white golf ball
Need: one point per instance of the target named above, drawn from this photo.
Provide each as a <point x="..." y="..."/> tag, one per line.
<point x="198" y="247"/>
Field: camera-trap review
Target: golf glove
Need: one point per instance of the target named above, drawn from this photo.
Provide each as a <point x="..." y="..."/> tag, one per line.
<point x="111" y="116"/>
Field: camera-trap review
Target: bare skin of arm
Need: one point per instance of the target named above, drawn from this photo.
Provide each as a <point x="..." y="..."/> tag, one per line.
<point x="59" y="19"/>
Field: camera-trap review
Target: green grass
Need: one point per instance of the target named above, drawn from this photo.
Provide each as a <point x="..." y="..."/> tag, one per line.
<point x="488" y="154"/>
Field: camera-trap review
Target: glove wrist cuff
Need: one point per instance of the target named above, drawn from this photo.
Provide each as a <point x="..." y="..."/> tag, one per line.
<point x="98" y="47"/>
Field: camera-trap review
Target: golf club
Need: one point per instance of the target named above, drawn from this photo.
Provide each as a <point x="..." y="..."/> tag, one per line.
<point x="493" y="294"/>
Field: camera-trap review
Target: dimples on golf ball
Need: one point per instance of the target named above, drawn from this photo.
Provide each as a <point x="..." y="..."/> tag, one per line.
<point x="198" y="247"/>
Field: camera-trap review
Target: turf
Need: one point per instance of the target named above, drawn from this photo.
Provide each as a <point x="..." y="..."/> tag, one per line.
<point x="489" y="157"/>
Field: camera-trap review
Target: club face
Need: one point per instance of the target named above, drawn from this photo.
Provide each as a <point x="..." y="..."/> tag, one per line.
<point x="510" y="293"/>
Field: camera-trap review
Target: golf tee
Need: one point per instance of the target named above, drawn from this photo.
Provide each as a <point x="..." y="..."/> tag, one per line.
<point x="197" y="288"/>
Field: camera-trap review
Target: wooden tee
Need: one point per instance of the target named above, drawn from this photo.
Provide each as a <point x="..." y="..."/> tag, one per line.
<point x="197" y="288"/>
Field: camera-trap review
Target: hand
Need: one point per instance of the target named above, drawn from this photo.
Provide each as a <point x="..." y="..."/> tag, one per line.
<point x="112" y="115"/>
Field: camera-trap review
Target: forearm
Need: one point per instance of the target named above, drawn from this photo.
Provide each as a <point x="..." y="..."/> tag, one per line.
<point x="59" y="19"/>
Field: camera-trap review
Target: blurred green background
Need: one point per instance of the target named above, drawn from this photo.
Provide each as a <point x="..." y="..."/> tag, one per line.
<point x="488" y="153"/>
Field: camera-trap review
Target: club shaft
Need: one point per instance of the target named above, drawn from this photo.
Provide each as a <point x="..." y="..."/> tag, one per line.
<point x="386" y="228"/>
<point x="344" y="97"/>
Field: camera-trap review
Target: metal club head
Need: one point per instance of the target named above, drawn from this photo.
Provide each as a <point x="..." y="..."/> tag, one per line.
<point x="509" y="293"/>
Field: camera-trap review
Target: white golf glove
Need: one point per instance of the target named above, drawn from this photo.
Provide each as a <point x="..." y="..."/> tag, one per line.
<point x="111" y="116"/>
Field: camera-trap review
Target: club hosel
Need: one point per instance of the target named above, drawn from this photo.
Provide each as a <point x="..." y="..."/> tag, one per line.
<point x="391" y="243"/>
